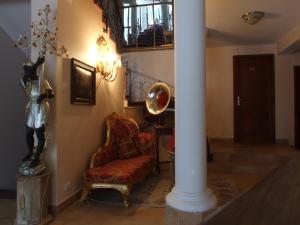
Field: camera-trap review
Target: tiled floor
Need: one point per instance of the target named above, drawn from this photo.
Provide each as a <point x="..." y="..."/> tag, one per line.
<point x="7" y="211"/>
<point x="275" y="200"/>
<point x="244" y="164"/>
<point x="94" y="214"/>
<point x="247" y="164"/>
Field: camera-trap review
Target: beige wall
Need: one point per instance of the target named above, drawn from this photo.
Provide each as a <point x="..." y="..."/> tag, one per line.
<point x="219" y="81"/>
<point x="76" y="131"/>
<point x="219" y="88"/>
<point x="80" y="129"/>
<point x="284" y="94"/>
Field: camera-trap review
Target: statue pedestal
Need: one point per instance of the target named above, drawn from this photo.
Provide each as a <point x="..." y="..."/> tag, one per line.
<point x="32" y="200"/>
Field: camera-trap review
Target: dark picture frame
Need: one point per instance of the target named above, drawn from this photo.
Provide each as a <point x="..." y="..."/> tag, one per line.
<point x="83" y="83"/>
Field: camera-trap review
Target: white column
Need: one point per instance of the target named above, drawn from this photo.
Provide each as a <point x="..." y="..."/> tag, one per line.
<point x="190" y="193"/>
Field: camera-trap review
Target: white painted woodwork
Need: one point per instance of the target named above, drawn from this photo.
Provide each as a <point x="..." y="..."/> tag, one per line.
<point x="190" y="192"/>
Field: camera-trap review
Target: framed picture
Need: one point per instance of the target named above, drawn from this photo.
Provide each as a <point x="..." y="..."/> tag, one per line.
<point x="83" y="83"/>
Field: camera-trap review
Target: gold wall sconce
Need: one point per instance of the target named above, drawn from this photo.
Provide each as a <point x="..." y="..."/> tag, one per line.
<point x="108" y="62"/>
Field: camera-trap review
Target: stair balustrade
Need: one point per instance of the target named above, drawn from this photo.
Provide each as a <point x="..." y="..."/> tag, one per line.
<point x="138" y="84"/>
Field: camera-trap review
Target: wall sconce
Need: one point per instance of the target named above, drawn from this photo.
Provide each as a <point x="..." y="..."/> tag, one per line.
<point x="107" y="61"/>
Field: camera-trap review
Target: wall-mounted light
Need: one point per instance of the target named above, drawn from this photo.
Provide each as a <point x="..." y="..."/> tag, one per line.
<point x="107" y="61"/>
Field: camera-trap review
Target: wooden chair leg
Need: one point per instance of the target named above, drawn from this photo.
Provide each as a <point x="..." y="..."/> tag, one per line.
<point x="155" y="171"/>
<point x="125" y="193"/>
<point x="84" y="194"/>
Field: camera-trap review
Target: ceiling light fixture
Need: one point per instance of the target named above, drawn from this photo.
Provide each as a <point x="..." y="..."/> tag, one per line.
<point x="253" y="17"/>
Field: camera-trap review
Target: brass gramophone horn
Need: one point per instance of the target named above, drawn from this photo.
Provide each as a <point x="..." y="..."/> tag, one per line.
<point x="158" y="98"/>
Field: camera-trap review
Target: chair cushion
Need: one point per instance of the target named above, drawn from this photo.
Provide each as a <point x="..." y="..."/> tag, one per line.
<point x="145" y="137"/>
<point x="127" y="148"/>
<point x="145" y="142"/>
<point x="104" y="155"/>
<point x="121" y="171"/>
<point x="122" y="126"/>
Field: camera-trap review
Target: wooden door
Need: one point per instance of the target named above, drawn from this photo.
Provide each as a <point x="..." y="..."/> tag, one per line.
<point x="254" y="98"/>
<point x="297" y="105"/>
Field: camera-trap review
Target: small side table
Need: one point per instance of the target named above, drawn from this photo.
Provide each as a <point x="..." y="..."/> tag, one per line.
<point x="160" y="131"/>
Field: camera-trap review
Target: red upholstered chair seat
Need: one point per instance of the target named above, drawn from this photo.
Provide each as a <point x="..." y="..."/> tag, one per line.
<point x="120" y="171"/>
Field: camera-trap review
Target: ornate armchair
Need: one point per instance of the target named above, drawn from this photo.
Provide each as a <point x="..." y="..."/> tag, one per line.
<point x="126" y="158"/>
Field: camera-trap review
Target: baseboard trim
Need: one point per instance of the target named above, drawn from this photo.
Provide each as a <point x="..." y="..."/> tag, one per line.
<point x="282" y="141"/>
<point x="231" y="140"/>
<point x="165" y="161"/>
<point x="221" y="140"/>
<point x="8" y="194"/>
<point x="57" y="209"/>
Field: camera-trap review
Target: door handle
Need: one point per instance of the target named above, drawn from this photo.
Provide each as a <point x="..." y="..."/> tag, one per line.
<point x="238" y="101"/>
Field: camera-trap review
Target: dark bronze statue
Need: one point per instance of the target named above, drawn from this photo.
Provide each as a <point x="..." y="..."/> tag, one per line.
<point x="38" y="91"/>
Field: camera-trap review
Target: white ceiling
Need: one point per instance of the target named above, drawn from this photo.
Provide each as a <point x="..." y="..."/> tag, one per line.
<point x="225" y="26"/>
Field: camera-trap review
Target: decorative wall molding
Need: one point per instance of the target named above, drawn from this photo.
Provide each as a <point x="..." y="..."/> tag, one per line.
<point x="221" y="140"/>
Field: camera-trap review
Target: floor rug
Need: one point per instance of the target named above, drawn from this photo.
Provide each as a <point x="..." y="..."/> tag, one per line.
<point x="149" y="193"/>
<point x="153" y="190"/>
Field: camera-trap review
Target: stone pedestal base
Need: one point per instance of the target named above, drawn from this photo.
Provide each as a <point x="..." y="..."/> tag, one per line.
<point x="177" y="217"/>
<point x="45" y="221"/>
<point x="32" y="200"/>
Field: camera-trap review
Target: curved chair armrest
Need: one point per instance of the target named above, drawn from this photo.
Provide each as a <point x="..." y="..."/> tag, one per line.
<point x="102" y="156"/>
